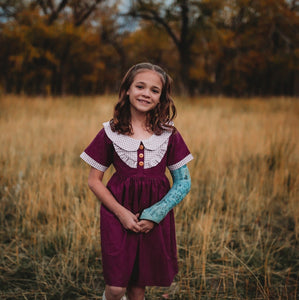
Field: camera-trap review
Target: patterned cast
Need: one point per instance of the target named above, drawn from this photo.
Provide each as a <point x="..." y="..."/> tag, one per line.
<point x="180" y="188"/>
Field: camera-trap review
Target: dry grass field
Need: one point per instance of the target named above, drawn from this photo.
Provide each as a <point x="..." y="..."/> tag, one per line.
<point x="237" y="230"/>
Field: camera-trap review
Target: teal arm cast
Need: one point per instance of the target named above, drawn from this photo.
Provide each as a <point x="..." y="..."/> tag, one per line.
<point x="180" y="188"/>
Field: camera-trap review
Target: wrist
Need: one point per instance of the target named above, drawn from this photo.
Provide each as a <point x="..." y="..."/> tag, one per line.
<point x="120" y="211"/>
<point x="149" y="216"/>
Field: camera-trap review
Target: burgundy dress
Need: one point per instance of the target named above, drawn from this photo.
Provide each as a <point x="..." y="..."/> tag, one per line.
<point x="139" y="181"/>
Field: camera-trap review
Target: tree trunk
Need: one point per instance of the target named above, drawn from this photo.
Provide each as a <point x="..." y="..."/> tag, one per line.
<point x="184" y="55"/>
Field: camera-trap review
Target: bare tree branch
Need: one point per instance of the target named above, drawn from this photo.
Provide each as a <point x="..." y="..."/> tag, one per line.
<point x="55" y="12"/>
<point x="86" y="12"/>
<point x="43" y="6"/>
<point x="146" y="12"/>
<point x="49" y="9"/>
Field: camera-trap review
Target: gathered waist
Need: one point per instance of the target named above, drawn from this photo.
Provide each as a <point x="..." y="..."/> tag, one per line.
<point x="137" y="192"/>
<point x="141" y="177"/>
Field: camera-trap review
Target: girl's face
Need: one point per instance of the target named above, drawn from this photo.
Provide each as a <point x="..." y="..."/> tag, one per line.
<point x="145" y="91"/>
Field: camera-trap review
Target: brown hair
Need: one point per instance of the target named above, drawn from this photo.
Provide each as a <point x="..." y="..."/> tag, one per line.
<point x="159" y="118"/>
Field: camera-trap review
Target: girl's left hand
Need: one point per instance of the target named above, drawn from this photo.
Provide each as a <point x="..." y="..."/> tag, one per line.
<point x="146" y="226"/>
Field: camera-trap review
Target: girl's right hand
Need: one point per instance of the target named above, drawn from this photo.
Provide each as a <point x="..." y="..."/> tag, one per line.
<point x="129" y="220"/>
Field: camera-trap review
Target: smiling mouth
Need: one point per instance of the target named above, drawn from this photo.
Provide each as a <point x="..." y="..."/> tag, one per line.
<point x="144" y="101"/>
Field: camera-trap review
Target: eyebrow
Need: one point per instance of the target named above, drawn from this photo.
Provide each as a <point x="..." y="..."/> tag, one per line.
<point x="154" y="86"/>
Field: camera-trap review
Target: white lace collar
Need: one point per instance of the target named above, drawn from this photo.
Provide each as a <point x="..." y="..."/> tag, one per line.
<point x="129" y="144"/>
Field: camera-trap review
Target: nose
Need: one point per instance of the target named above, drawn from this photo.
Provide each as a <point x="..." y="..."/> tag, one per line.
<point x="146" y="93"/>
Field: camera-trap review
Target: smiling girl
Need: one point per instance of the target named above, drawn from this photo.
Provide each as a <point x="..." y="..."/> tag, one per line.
<point x="137" y="221"/>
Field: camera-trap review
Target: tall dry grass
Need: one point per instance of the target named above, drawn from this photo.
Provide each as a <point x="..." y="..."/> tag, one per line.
<point x="237" y="230"/>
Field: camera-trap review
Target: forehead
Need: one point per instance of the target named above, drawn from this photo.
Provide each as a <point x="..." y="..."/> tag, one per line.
<point x="149" y="77"/>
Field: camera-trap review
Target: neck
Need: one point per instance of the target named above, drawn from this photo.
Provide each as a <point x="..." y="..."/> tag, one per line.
<point x="138" y="118"/>
<point x="138" y="122"/>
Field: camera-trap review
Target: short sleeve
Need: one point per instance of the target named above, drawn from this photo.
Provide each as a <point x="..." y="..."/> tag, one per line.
<point x="178" y="152"/>
<point x="99" y="152"/>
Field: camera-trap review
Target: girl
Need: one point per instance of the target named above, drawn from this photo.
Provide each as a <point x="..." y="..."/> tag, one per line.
<point x="137" y="220"/>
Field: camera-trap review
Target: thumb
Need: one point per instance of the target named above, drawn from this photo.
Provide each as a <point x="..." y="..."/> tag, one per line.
<point x="136" y="218"/>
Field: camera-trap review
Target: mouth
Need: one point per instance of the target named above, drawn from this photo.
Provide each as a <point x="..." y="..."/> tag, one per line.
<point x="143" y="101"/>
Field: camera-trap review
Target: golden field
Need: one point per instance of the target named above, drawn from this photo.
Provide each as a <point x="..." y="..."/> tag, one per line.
<point x="237" y="230"/>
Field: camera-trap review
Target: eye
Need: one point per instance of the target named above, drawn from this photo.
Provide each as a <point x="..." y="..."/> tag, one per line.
<point x="139" y="86"/>
<point x="156" y="91"/>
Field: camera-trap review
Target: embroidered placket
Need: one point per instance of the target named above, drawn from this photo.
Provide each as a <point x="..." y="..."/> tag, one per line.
<point x="140" y="156"/>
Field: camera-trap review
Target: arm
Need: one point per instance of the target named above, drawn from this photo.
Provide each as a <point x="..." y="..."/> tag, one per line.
<point x="127" y="218"/>
<point x="180" y="188"/>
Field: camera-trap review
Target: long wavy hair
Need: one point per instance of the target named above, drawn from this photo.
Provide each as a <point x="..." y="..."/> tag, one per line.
<point x="157" y="119"/>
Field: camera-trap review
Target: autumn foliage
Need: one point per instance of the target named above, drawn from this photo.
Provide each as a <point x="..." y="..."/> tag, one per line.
<point x="236" y="47"/>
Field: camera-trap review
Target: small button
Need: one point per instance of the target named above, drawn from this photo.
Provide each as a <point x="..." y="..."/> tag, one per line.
<point x="141" y="147"/>
<point x="141" y="155"/>
<point x="141" y="163"/>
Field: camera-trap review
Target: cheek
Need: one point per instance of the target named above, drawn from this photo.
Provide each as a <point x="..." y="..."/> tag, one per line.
<point x="158" y="99"/>
<point x="130" y="90"/>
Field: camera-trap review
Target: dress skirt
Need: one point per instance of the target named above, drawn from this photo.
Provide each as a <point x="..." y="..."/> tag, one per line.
<point x="140" y="259"/>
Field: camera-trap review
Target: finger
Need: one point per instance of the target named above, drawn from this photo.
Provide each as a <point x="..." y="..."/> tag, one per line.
<point x="135" y="218"/>
<point x="142" y="229"/>
<point x="134" y="229"/>
<point x="137" y="228"/>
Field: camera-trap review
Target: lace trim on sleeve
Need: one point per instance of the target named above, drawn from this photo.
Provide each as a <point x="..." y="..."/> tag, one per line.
<point x="92" y="162"/>
<point x="178" y="165"/>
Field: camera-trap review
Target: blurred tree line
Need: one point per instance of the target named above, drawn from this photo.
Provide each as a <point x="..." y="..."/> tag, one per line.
<point x="232" y="47"/>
